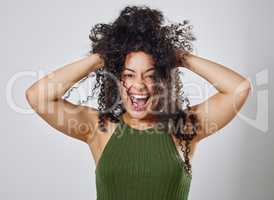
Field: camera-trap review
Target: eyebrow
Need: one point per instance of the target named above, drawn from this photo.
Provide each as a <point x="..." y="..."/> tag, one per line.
<point x="152" y="68"/>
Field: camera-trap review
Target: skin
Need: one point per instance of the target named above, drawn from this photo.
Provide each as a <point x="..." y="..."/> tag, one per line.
<point x="81" y="122"/>
<point x="138" y="79"/>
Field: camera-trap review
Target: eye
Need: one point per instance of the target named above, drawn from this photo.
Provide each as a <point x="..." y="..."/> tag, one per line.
<point x="152" y="76"/>
<point x="128" y="75"/>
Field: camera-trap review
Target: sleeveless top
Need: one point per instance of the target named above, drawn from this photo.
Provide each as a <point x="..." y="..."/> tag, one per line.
<point x="141" y="165"/>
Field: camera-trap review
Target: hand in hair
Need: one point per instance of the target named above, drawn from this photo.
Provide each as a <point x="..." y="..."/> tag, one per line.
<point x="181" y="57"/>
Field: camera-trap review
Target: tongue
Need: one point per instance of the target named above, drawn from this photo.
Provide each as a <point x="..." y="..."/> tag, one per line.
<point x="139" y="102"/>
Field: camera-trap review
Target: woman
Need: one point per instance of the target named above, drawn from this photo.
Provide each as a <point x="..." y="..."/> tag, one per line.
<point x="140" y="123"/>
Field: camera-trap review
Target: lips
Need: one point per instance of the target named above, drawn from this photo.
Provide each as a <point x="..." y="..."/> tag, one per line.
<point x="139" y="101"/>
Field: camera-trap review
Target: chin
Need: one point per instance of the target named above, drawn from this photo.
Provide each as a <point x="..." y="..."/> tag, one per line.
<point x="137" y="114"/>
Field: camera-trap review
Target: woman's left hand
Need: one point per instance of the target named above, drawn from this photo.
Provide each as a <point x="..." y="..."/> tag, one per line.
<point x="180" y="58"/>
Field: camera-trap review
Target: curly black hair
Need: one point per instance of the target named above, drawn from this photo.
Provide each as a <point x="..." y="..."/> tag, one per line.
<point x="140" y="28"/>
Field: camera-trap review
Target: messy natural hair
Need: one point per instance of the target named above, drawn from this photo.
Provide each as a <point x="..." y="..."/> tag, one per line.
<point x="140" y="28"/>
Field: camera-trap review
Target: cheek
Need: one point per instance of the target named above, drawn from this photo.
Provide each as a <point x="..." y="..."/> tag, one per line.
<point x="123" y="91"/>
<point x="124" y="94"/>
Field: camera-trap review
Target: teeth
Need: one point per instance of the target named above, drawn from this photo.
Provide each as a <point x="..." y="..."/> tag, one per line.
<point x="139" y="96"/>
<point x="133" y="97"/>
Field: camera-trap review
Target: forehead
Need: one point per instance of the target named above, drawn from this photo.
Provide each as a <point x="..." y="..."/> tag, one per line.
<point x="139" y="61"/>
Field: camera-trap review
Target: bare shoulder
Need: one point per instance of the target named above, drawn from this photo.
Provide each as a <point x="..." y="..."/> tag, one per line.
<point x="96" y="134"/>
<point x="82" y="121"/>
<point x="98" y="139"/>
<point x="192" y="146"/>
<point x="193" y="143"/>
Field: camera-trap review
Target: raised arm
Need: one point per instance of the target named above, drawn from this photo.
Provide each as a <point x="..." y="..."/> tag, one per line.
<point x="219" y="109"/>
<point x="45" y="97"/>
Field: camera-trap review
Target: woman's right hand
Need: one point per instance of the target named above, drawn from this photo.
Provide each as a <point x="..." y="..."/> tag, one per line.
<point x="99" y="60"/>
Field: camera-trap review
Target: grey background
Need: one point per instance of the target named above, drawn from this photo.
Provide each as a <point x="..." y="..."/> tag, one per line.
<point x="38" y="162"/>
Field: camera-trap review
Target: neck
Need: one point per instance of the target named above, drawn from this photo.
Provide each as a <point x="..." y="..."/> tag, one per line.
<point x="147" y="122"/>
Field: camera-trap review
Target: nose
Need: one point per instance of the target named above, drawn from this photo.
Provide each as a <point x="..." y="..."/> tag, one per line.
<point x="139" y="84"/>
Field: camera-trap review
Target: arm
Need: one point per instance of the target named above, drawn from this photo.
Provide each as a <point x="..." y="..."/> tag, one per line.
<point x="219" y="109"/>
<point x="45" y="97"/>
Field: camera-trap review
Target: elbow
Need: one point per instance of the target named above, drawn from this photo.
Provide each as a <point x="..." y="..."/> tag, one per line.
<point x="30" y="96"/>
<point x="244" y="90"/>
<point x="33" y="99"/>
<point x="247" y="85"/>
<point x="36" y="99"/>
<point x="244" y="87"/>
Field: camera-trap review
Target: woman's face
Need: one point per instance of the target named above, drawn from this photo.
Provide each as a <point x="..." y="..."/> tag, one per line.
<point x="137" y="86"/>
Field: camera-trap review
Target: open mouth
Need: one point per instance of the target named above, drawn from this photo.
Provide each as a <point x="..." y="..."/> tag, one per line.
<point x="139" y="102"/>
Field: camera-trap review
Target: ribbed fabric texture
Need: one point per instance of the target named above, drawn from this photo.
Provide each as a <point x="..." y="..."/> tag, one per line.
<point x="141" y="165"/>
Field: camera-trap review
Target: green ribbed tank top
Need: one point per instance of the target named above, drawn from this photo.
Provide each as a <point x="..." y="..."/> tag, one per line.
<point x="141" y="165"/>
